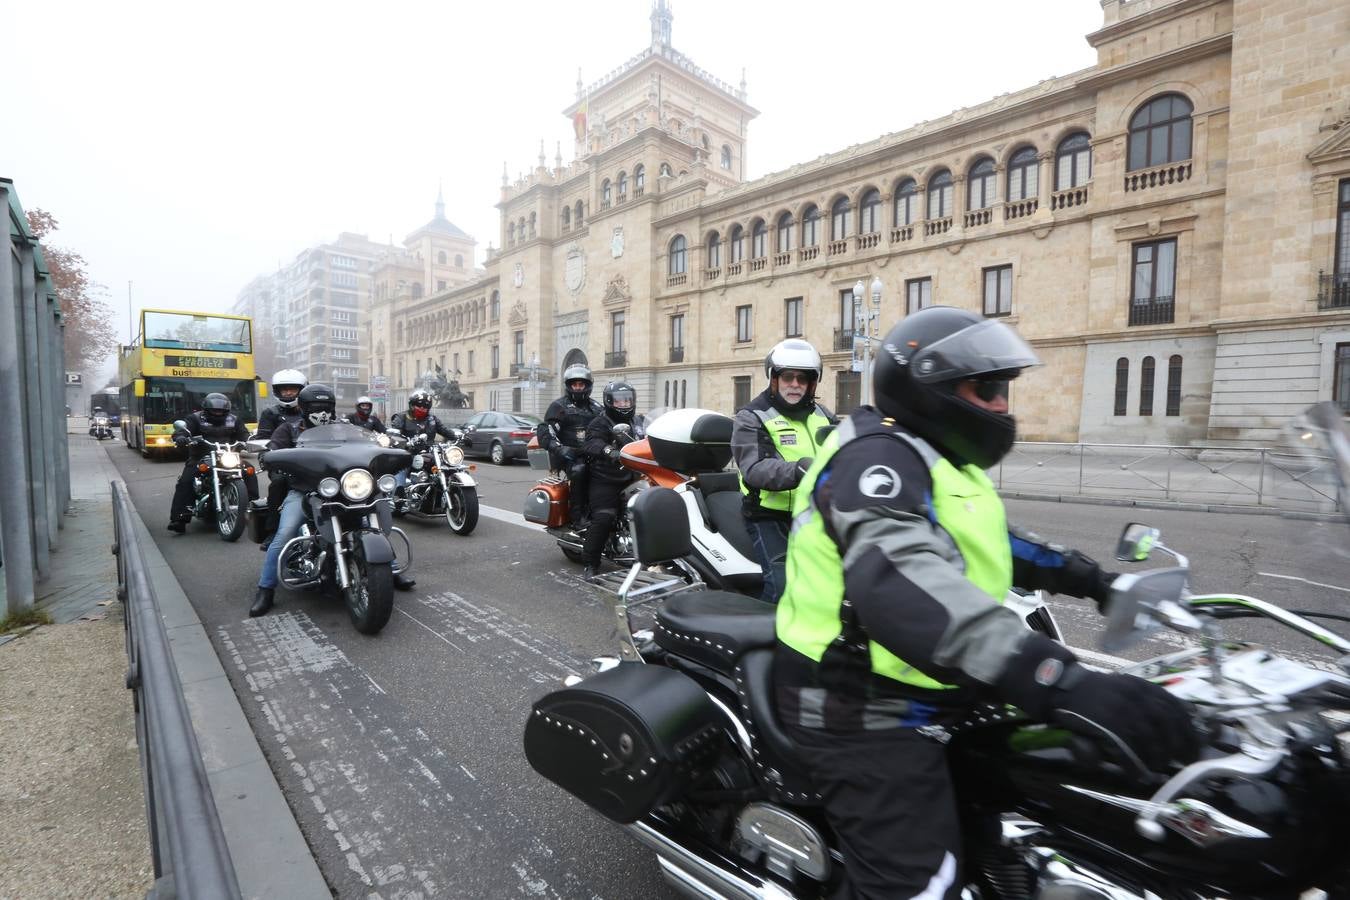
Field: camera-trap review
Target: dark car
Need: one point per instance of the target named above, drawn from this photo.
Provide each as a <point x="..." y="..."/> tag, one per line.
<point x="499" y="436"/>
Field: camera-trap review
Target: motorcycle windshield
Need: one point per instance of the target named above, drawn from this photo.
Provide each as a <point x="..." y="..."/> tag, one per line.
<point x="1314" y="468"/>
<point x="329" y="451"/>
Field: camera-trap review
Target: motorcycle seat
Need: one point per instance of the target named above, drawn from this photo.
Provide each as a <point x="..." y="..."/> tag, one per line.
<point x="714" y="628"/>
<point x="723" y="500"/>
<point x="775" y="754"/>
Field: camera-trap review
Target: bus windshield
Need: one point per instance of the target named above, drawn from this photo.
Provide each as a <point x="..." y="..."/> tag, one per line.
<point x="167" y="399"/>
<point x="184" y="331"/>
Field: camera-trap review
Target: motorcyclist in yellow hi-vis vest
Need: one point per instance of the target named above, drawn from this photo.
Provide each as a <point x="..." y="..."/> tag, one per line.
<point x="892" y="626"/>
<point x="774" y="439"/>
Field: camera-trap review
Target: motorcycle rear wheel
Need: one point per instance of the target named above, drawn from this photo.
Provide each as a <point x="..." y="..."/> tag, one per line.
<point x="230" y="520"/>
<point x="370" y="593"/>
<point x="461" y="509"/>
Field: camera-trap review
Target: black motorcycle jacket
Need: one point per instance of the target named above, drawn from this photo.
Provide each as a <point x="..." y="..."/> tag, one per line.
<point x="229" y="430"/>
<point x="602" y="449"/>
<point x="431" y="426"/>
<point x="272" y="417"/>
<point x="563" y="431"/>
<point x="369" y="423"/>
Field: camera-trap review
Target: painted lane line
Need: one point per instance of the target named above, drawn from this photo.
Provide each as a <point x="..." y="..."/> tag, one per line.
<point x="1330" y="587"/>
<point x="506" y="515"/>
<point x="433" y="631"/>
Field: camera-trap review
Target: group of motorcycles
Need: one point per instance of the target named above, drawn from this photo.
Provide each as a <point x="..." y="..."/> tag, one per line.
<point x="348" y="543"/>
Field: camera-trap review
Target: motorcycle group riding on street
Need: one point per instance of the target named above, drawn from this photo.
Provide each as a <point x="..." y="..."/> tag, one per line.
<point x="850" y="684"/>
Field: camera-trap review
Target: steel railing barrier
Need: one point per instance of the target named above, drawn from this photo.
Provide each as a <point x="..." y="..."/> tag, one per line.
<point x="187" y="843"/>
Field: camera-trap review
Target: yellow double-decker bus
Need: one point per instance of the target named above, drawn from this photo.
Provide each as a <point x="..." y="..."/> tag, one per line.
<point x="177" y="359"/>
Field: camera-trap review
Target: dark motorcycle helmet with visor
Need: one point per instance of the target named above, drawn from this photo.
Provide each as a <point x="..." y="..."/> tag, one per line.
<point x="620" y="401"/>
<point x="318" y="405"/>
<point x="923" y="361"/>
<point x="215" y="407"/>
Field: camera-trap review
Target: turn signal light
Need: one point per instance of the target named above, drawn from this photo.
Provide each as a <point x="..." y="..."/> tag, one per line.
<point x="249" y="470"/>
<point x="203" y="468"/>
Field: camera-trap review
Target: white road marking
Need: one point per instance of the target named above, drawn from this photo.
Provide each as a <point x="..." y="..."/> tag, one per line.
<point x="1331" y="587"/>
<point x="506" y="515"/>
<point x="433" y="631"/>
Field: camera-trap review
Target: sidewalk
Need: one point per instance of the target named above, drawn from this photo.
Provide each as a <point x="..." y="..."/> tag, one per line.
<point x="71" y="800"/>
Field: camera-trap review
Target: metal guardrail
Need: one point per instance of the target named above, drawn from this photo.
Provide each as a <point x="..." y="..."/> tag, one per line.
<point x="1259" y="476"/>
<point x="187" y="843"/>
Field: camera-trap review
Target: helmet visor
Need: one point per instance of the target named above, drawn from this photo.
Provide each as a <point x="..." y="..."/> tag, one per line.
<point x="623" y="398"/>
<point x="978" y="350"/>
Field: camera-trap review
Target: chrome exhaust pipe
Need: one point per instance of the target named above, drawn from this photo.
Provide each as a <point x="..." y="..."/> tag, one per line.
<point x="694" y="875"/>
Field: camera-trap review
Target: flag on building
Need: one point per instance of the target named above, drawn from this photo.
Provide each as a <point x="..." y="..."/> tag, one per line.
<point x="579" y="119"/>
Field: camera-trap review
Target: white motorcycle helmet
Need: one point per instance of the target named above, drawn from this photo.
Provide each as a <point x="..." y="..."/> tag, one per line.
<point x="288" y="378"/>
<point x="793" y="353"/>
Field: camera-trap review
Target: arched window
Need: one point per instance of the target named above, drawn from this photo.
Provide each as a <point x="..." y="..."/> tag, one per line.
<point x="980" y="185"/>
<point x="1160" y="132"/>
<point x="664" y="171"/>
<point x="459" y="261"/>
<point x="1122" y="386"/>
<point x="639" y="177"/>
<point x="737" y="244"/>
<point x="1073" y="161"/>
<point x="759" y="239"/>
<point x="1174" y="386"/>
<point x="785" y="232"/>
<point x="510" y="232"/>
<point x="906" y="203"/>
<point x="678" y="261"/>
<point x="811" y="226"/>
<point x="567" y="216"/>
<point x="1146" y="387"/>
<point x="440" y="257"/>
<point x="726" y="156"/>
<point x="532" y="222"/>
<point x="520" y="228"/>
<point x="1023" y="174"/>
<point x="714" y="251"/>
<point x="941" y="194"/>
<point x="869" y="212"/>
<point x="839" y="219"/>
<point x="575" y="357"/>
<point x="623" y="185"/>
<point x="606" y="193"/>
<point x="576" y="214"/>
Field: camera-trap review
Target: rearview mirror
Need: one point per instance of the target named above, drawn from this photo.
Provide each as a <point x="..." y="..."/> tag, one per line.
<point x="1136" y="542"/>
<point x="179" y="425"/>
<point x="622" y="428"/>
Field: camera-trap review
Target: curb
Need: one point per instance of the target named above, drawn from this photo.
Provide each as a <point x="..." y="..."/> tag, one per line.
<point x="270" y="855"/>
<point x="1172" y="505"/>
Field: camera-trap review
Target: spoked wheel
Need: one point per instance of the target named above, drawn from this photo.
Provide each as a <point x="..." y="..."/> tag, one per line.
<point x="370" y="594"/>
<point x="461" y="509"/>
<point x="498" y="454"/>
<point x="230" y="517"/>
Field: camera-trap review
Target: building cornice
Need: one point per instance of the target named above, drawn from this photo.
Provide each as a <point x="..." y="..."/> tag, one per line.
<point x="1142" y="68"/>
<point x="1148" y="19"/>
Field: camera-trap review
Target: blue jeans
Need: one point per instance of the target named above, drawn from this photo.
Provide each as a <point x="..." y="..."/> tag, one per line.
<point x="292" y="517"/>
<point x="770" y="538"/>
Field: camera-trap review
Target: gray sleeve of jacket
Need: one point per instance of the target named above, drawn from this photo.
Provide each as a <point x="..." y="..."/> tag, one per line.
<point x="903" y="576"/>
<point x="757" y="458"/>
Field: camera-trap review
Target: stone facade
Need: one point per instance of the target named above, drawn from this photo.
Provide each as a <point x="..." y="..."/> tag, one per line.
<point x="1170" y="207"/>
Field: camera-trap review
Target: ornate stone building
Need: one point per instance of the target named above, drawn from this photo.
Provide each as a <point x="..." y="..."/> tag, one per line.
<point x="1170" y="228"/>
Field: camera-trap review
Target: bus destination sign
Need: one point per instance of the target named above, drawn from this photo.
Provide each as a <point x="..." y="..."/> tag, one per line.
<point x="201" y="362"/>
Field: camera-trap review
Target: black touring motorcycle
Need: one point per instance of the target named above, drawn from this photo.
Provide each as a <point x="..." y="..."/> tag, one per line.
<point x="345" y="542"/>
<point x="219" y="492"/>
<point x="677" y="740"/>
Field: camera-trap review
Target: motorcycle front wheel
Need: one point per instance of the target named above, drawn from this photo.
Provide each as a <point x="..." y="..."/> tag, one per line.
<point x="230" y="519"/>
<point x="461" y="509"/>
<point x="370" y="592"/>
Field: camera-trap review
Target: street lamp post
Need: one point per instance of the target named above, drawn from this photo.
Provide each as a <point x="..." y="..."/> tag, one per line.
<point x="863" y="318"/>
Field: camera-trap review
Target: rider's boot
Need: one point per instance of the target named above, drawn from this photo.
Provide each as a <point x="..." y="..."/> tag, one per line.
<point x="262" y="602"/>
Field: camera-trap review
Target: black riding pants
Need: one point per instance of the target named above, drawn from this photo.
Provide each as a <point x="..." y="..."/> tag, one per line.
<point x="890" y="799"/>
<point x="605" y="499"/>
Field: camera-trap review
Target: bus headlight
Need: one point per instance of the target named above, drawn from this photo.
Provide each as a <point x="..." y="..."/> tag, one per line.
<point x="228" y="460"/>
<point x="358" y="485"/>
<point x="328" y="488"/>
<point x="387" y="484"/>
<point x="454" y="456"/>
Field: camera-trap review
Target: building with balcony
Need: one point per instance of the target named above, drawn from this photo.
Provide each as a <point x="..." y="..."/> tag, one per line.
<point x="1169" y="228"/>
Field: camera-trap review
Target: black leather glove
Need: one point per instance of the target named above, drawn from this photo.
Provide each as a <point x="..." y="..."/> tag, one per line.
<point x="181" y="440"/>
<point x="1081" y="576"/>
<point x="804" y="464"/>
<point x="567" y="455"/>
<point x="1123" y="712"/>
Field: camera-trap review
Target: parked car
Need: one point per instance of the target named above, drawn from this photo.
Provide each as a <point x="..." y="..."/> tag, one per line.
<point x="499" y="436"/>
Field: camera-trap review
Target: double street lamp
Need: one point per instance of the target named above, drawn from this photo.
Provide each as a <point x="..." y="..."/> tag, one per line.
<point x="864" y="326"/>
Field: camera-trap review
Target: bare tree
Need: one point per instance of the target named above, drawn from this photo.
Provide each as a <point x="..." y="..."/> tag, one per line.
<point x="89" y="335"/>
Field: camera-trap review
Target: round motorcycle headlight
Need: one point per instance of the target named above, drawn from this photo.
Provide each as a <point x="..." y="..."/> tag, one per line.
<point x="387" y="484"/>
<point x="358" y="484"/>
<point x="229" y="459"/>
<point x="418" y="462"/>
<point x="454" y="456"/>
<point x="382" y="440"/>
<point x="328" y="488"/>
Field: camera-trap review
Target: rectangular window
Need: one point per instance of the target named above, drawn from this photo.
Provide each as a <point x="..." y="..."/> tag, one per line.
<point x="454" y="366"/>
<point x="515" y="399"/>
<point x="998" y="291"/>
<point x="740" y="391"/>
<point x="1343" y="231"/>
<point x="1122" y="386"/>
<point x="745" y="318"/>
<point x="792" y="317"/>
<point x="847" y="392"/>
<point x="677" y="332"/>
<point x="1340" y="385"/>
<point x="616" y="336"/>
<point x="440" y="284"/>
<point x="519" y="348"/>
<point x="496" y="354"/>
<point x="918" y="294"/>
<point x="1174" y="386"/>
<point x="470" y="362"/>
<point x="1152" y="294"/>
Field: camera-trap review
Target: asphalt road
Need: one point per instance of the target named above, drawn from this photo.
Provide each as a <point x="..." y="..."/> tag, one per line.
<point x="400" y="754"/>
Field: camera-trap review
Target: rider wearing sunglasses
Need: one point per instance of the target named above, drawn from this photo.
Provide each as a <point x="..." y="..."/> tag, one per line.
<point x="774" y="440"/>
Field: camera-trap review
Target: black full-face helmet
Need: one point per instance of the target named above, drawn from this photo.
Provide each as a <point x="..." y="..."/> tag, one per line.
<point x="620" y="401"/>
<point x="318" y="405"/>
<point x="577" y="372"/>
<point x="926" y="356"/>
<point x="216" y="407"/>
